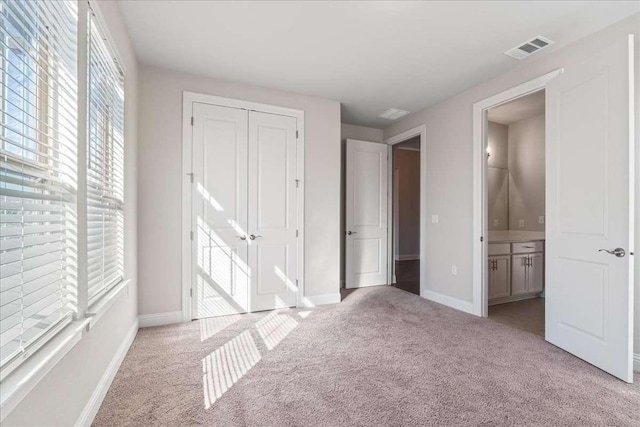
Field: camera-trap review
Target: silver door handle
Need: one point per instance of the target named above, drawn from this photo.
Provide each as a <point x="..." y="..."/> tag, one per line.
<point x="619" y="252"/>
<point x="254" y="237"/>
<point x="243" y="237"/>
<point x="349" y="233"/>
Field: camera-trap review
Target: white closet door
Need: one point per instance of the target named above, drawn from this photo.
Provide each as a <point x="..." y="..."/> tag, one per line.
<point x="366" y="214"/>
<point x="272" y="211"/>
<point x="589" y="195"/>
<point x="220" y="262"/>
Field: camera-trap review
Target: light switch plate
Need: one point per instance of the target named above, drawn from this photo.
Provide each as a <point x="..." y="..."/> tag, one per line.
<point x="454" y="270"/>
<point x="541" y="219"/>
<point x="496" y="223"/>
<point x="434" y="219"/>
<point x="521" y="223"/>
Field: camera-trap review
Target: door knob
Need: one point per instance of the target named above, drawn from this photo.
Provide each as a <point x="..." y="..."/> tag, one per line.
<point x="619" y="252"/>
<point x="254" y="237"/>
<point x="243" y="237"/>
<point x="351" y="232"/>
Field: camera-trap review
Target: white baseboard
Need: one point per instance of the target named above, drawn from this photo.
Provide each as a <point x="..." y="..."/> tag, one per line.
<point x="407" y="257"/>
<point x="93" y="405"/>
<point x="315" y="300"/>
<point x="636" y="362"/>
<point x="159" y="319"/>
<point x="456" y="303"/>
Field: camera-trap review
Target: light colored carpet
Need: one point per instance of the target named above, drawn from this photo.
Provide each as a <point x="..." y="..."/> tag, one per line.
<point x="382" y="357"/>
<point x="526" y="315"/>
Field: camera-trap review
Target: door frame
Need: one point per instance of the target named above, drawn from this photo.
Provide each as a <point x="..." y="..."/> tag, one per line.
<point x="188" y="98"/>
<point x="480" y="188"/>
<point x="421" y="131"/>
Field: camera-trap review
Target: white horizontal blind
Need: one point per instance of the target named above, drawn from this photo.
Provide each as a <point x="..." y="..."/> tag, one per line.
<point x="105" y="162"/>
<point x="38" y="173"/>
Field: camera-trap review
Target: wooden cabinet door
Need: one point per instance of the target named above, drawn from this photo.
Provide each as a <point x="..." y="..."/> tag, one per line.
<point x="519" y="275"/>
<point x="535" y="274"/>
<point x="499" y="276"/>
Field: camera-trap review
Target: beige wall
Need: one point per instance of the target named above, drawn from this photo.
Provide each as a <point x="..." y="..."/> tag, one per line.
<point x="363" y="133"/>
<point x="450" y="164"/>
<point x="160" y="182"/>
<point x="59" y="399"/>
<point x="406" y="165"/>
<point x="526" y="173"/>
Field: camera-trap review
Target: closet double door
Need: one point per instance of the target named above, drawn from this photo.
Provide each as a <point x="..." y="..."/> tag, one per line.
<point x="244" y="205"/>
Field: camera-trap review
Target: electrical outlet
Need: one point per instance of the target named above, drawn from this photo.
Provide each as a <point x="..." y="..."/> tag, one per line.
<point x="434" y="219"/>
<point x="454" y="270"/>
<point x="496" y="223"/>
<point x="521" y="223"/>
<point x="541" y="219"/>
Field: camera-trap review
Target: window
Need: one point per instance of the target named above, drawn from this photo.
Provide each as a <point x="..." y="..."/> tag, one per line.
<point x="38" y="175"/>
<point x="42" y="290"/>
<point x="105" y="167"/>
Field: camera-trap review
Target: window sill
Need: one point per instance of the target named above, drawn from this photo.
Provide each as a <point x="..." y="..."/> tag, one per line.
<point x="25" y="377"/>
<point x="100" y="307"/>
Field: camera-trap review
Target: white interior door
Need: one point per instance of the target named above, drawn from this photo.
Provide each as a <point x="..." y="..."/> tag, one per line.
<point x="366" y="214"/>
<point x="272" y="211"/>
<point x="588" y="190"/>
<point x="220" y="262"/>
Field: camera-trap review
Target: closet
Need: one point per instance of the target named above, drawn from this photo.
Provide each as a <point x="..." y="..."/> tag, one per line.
<point x="244" y="210"/>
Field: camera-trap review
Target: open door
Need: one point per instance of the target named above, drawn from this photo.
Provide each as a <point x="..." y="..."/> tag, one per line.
<point x="589" y="187"/>
<point x="366" y="214"/>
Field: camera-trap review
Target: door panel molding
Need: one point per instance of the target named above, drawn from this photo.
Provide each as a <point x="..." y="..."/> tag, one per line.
<point x="188" y="100"/>
<point x="366" y="244"/>
<point x="589" y="311"/>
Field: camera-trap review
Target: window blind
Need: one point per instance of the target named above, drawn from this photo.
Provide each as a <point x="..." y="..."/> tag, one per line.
<point x="38" y="173"/>
<point x="105" y="163"/>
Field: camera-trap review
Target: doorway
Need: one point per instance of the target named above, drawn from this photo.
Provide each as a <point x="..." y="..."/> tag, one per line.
<point x="406" y="215"/>
<point x="588" y="265"/>
<point x="516" y="212"/>
<point x="369" y="227"/>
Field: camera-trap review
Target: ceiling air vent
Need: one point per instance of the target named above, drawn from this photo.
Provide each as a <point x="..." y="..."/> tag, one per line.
<point x="393" y="114"/>
<point x="529" y="47"/>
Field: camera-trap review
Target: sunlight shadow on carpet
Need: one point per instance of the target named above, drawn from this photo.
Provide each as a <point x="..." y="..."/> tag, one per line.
<point x="225" y="366"/>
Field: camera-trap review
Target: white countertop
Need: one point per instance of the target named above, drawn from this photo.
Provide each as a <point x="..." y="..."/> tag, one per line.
<point x="510" y="236"/>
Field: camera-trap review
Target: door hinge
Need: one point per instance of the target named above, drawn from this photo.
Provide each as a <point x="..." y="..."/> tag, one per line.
<point x="191" y="177"/>
<point x="297" y="183"/>
<point x="481" y="238"/>
<point x="191" y="235"/>
<point x="191" y="121"/>
<point x="191" y="292"/>
<point x="297" y="134"/>
<point x="296" y="283"/>
<point x="296" y="233"/>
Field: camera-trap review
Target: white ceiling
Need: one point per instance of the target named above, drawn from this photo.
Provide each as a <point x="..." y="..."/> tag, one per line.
<point x="370" y="56"/>
<point x="519" y="109"/>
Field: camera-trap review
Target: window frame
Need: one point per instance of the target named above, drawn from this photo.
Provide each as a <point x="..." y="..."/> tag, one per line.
<point x="37" y="361"/>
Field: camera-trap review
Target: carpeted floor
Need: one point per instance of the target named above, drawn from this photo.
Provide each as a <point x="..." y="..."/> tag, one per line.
<point x="526" y="315"/>
<point x="382" y="357"/>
